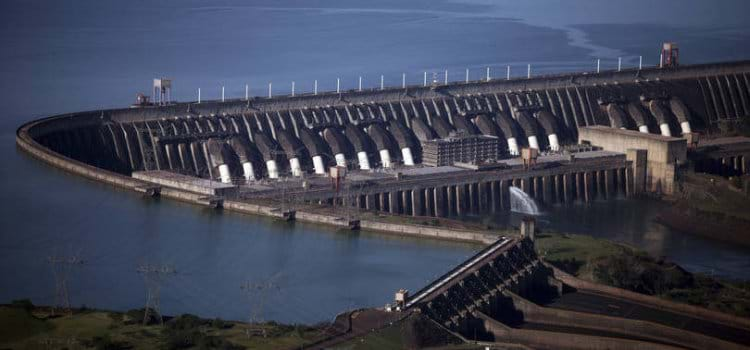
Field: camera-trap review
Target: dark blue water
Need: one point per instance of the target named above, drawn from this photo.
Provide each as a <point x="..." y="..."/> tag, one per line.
<point x="61" y="57"/>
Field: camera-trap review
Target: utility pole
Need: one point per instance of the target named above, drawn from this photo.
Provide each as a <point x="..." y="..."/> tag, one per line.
<point x="61" y="267"/>
<point x="154" y="276"/>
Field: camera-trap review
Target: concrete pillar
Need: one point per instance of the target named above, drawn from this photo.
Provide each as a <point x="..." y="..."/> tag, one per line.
<point x="472" y="196"/>
<point x="630" y="188"/>
<point x="588" y="184"/>
<point x="538" y="189"/>
<point x="579" y="187"/>
<point x="360" y="201"/>
<point x="600" y="191"/>
<point x="393" y="205"/>
<point x="494" y="197"/>
<point x="405" y="200"/>
<point x="460" y="199"/>
<point x="505" y="194"/>
<point x="637" y="175"/>
<point x="558" y="188"/>
<point x="737" y="165"/>
<point x="370" y="202"/>
<point x="417" y="206"/>
<point x="451" y="200"/>
<point x="484" y="195"/>
<point x="547" y="189"/>
<point x="429" y="202"/>
<point x="439" y="194"/>
<point x="609" y="183"/>
<point x="382" y="198"/>
<point x="526" y="186"/>
<point x="568" y="187"/>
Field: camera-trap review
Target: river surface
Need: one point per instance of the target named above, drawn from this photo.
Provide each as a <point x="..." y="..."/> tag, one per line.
<point x="57" y="57"/>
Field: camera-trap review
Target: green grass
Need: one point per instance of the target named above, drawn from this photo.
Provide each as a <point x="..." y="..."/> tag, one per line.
<point x="713" y="194"/>
<point x="576" y="253"/>
<point x="32" y="329"/>
<point x="386" y="338"/>
<point x="17" y="324"/>
<point x="622" y="266"/>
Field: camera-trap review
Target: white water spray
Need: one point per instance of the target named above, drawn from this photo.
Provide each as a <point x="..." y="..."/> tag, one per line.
<point x="520" y="202"/>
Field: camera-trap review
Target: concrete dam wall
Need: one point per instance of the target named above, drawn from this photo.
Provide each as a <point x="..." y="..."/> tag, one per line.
<point x="241" y="140"/>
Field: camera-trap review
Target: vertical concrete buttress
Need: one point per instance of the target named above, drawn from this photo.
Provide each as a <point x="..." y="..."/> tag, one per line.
<point x="393" y="205"/>
<point x="439" y="194"/>
<point x="417" y="206"/>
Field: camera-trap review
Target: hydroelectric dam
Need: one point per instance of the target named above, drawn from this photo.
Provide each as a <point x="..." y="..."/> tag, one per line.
<point x="432" y="150"/>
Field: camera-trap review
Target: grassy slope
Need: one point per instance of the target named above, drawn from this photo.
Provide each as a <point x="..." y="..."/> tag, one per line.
<point x="582" y="255"/>
<point x="697" y="191"/>
<point x="33" y="330"/>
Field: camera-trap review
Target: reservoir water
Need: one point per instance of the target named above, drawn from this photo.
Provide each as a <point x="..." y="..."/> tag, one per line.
<point x="57" y="58"/>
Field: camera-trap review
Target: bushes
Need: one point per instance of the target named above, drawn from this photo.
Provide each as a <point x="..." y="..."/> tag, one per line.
<point x="105" y="343"/>
<point x="640" y="273"/>
<point x="24" y="304"/>
<point x="186" y="331"/>
<point x="136" y="316"/>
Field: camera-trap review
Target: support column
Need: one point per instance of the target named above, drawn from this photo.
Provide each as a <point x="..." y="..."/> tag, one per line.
<point x="588" y="186"/>
<point x="451" y="200"/>
<point x="393" y="206"/>
<point x="600" y="186"/>
<point x="494" y="197"/>
<point x="429" y="202"/>
<point x="539" y="189"/>
<point x="559" y="197"/>
<point x="439" y="194"/>
<point x="370" y="202"/>
<point x="526" y="186"/>
<point x="636" y="175"/>
<point x="472" y="198"/>
<point x="483" y="195"/>
<point x="630" y="189"/>
<point x="568" y="187"/>
<point x="580" y="192"/>
<point x="406" y="203"/>
<point x="460" y="199"/>
<point x="609" y="183"/>
<point x="737" y="165"/>
<point x="382" y="198"/>
<point x="547" y="189"/>
<point x="417" y="206"/>
<point x="505" y="194"/>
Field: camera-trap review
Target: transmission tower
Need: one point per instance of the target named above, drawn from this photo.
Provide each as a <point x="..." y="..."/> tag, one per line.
<point x="154" y="276"/>
<point x="61" y="267"/>
<point x="257" y="292"/>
